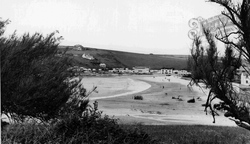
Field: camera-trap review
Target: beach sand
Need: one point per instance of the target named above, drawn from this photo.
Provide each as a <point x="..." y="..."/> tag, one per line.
<point x="115" y="98"/>
<point x="113" y="86"/>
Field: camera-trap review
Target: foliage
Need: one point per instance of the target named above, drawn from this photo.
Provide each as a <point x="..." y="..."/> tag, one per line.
<point x="86" y="127"/>
<point x="34" y="78"/>
<point x="217" y="73"/>
<point x="188" y="134"/>
<point x="3" y="25"/>
<point x="36" y="84"/>
<point x="92" y="127"/>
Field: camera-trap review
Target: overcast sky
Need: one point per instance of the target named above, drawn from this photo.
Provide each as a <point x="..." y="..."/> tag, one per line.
<point x="142" y="26"/>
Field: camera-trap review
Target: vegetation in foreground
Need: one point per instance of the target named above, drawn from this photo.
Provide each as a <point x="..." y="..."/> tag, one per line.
<point x="197" y="134"/>
<point x="62" y="108"/>
<point x="90" y="127"/>
<point x="97" y="129"/>
<point x="218" y="73"/>
<point x="44" y="103"/>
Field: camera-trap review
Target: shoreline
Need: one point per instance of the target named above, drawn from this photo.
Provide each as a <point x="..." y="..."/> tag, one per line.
<point x="129" y="91"/>
<point x="114" y="87"/>
<point x="134" y="82"/>
<point x="157" y="108"/>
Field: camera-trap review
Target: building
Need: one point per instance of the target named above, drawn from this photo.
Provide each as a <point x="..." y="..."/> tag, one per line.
<point x="245" y="78"/>
<point x="121" y="70"/>
<point x="167" y="71"/>
<point x="102" y="65"/>
<point x="155" y="71"/>
<point x="141" y="70"/>
<point x="87" y="56"/>
<point x="244" y="73"/>
<point x="181" y="72"/>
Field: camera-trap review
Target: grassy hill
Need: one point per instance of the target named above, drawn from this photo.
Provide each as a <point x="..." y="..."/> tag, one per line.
<point x="118" y="59"/>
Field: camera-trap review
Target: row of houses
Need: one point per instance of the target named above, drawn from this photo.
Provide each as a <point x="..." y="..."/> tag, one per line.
<point x="171" y="71"/>
<point x="147" y="70"/>
<point x="136" y="69"/>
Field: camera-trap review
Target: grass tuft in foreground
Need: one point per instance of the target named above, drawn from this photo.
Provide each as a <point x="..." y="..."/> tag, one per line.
<point x="197" y="134"/>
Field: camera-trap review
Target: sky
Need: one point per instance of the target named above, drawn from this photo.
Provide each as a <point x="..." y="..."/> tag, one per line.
<point x="141" y="26"/>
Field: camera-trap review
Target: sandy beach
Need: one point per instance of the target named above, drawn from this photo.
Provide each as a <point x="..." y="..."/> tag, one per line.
<point x="164" y="100"/>
<point x="113" y="87"/>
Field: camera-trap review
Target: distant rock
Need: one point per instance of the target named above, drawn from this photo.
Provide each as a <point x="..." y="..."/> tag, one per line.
<point x="199" y="99"/>
<point x="191" y="100"/>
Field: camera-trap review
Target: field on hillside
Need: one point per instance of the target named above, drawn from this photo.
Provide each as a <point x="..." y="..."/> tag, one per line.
<point x="116" y="59"/>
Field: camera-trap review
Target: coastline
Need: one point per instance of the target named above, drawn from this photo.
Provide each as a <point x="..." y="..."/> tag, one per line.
<point x="156" y="108"/>
<point x="114" y="87"/>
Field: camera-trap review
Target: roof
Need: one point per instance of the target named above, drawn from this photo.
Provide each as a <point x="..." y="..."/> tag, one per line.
<point x="245" y="74"/>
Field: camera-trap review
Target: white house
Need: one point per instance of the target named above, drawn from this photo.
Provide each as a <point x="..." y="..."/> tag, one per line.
<point x="166" y="71"/>
<point x="141" y="70"/>
<point x="123" y="70"/>
<point x="87" y="56"/>
<point x="181" y="72"/>
<point x="102" y="65"/>
<point x="243" y="72"/>
<point x="245" y="78"/>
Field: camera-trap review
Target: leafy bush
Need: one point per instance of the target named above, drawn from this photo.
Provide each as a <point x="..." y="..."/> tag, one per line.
<point x="92" y="127"/>
<point x="36" y="85"/>
<point x="33" y="76"/>
<point x="89" y="127"/>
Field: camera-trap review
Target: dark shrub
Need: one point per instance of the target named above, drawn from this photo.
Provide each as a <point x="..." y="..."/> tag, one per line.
<point x="191" y="100"/>
<point x="33" y="77"/>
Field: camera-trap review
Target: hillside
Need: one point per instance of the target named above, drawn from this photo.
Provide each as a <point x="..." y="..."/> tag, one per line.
<point x="118" y="59"/>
